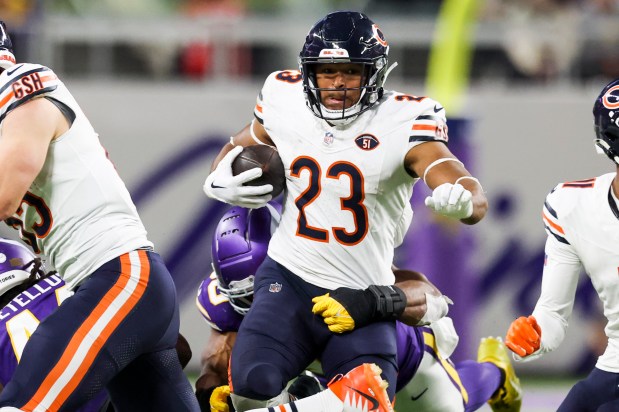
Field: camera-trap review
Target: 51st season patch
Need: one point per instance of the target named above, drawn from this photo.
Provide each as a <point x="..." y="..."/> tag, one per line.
<point x="367" y="142"/>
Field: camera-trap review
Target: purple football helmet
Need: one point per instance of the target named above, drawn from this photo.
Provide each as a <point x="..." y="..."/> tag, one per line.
<point x="7" y="59"/>
<point x="17" y="264"/>
<point x="239" y="246"/>
<point x="344" y="37"/>
<point x="606" y="120"/>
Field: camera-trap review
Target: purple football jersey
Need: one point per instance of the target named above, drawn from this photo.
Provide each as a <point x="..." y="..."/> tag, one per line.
<point x="410" y="346"/>
<point x="216" y="308"/>
<point x="19" y="319"/>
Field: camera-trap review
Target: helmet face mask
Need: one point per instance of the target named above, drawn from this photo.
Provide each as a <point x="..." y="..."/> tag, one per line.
<point x="239" y="246"/>
<point x="606" y="121"/>
<point x="344" y="37"/>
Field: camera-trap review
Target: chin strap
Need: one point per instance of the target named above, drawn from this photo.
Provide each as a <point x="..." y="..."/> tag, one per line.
<point x="393" y="66"/>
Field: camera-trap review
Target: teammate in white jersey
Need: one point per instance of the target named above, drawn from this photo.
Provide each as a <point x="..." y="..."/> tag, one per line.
<point x="582" y="222"/>
<point x="351" y="161"/>
<point x="59" y="189"/>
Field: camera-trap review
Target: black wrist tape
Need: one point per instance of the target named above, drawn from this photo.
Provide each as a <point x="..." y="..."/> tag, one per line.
<point x="390" y="302"/>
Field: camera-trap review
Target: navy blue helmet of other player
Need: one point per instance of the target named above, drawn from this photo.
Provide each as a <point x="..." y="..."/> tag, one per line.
<point x="7" y="59"/>
<point x="606" y="120"/>
<point x="240" y="243"/>
<point x="344" y="37"/>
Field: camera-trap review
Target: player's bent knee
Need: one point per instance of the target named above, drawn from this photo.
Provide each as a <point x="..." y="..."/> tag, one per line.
<point x="262" y="382"/>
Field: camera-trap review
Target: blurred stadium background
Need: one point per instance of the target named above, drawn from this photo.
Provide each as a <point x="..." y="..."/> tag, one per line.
<point x="165" y="82"/>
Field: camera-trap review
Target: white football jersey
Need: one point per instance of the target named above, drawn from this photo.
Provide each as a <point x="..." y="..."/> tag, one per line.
<point x="348" y="192"/>
<point x="582" y="222"/>
<point x="77" y="211"/>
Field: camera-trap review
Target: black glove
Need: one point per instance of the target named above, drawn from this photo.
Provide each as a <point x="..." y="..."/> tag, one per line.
<point x="345" y="309"/>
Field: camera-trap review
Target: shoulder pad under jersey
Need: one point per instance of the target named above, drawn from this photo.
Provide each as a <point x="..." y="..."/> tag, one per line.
<point x="22" y="82"/>
<point x="560" y="202"/>
<point x="424" y="117"/>
<point x="277" y="88"/>
<point x="215" y="307"/>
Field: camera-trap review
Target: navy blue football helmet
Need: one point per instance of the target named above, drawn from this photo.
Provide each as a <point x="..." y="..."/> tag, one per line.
<point x="344" y="37"/>
<point x="606" y="120"/>
<point x="7" y="59"/>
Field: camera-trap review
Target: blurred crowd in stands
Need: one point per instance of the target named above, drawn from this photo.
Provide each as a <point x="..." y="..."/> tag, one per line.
<point x="536" y="41"/>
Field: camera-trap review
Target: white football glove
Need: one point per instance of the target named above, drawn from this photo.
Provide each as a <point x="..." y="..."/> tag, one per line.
<point x="451" y="200"/>
<point x="222" y="185"/>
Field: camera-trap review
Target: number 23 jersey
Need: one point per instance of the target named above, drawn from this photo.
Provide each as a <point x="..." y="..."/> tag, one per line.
<point x="347" y="188"/>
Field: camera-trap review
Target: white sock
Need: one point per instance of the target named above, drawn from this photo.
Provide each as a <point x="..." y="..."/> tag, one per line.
<point x="325" y="401"/>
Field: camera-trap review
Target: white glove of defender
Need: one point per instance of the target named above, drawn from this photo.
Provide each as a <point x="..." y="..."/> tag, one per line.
<point x="222" y="185"/>
<point x="451" y="200"/>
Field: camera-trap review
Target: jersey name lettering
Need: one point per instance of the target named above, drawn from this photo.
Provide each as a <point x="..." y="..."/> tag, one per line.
<point x="27" y="85"/>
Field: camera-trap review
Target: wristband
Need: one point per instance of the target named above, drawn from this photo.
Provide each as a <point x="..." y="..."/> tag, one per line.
<point x="390" y="302"/>
<point x="438" y="162"/>
<point x="470" y="178"/>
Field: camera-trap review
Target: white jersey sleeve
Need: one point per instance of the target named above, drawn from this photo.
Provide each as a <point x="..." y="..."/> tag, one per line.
<point x="561" y="272"/>
<point x="559" y="282"/>
<point x="582" y="222"/>
<point x="430" y="125"/>
<point x="24" y="82"/>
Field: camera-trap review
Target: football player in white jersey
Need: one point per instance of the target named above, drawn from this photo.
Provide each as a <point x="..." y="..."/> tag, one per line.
<point x="582" y="222"/>
<point x="239" y="246"/>
<point x="59" y="189"/>
<point x="351" y="161"/>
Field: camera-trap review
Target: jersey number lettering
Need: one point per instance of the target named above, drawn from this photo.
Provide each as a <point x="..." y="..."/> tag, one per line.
<point x="289" y="76"/>
<point x="41" y="228"/>
<point x="353" y="203"/>
<point x="214" y="296"/>
<point x="409" y="98"/>
<point x="20" y="328"/>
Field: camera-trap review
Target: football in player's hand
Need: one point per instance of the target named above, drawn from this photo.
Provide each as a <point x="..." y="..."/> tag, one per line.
<point x="266" y="158"/>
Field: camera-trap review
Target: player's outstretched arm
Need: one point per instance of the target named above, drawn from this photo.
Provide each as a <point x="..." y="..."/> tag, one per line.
<point x="553" y="309"/>
<point x="412" y="300"/>
<point x="215" y="358"/>
<point x="455" y="193"/>
<point x="424" y="301"/>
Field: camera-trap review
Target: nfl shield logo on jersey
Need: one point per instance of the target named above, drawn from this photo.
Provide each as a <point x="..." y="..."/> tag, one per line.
<point x="275" y="287"/>
<point x="328" y="139"/>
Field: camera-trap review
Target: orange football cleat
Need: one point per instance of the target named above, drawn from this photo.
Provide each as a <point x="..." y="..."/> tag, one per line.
<point x="362" y="389"/>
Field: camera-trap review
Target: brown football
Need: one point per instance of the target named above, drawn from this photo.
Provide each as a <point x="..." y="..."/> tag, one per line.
<point x="266" y="158"/>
